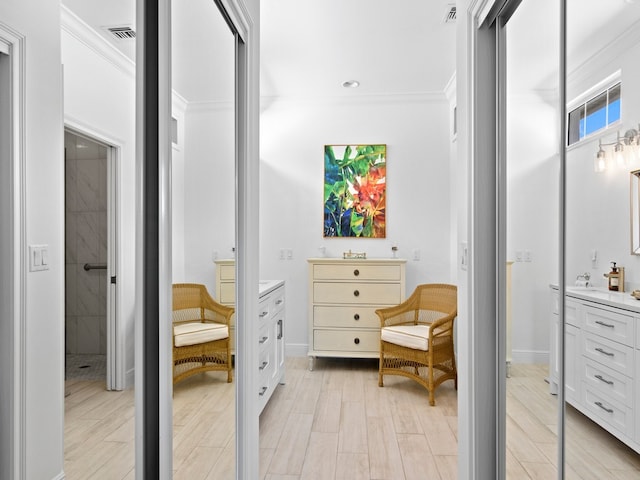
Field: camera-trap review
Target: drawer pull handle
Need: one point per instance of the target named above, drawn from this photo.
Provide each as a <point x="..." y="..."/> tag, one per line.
<point x="262" y="390"/>
<point x="608" y="325"/>
<point x="264" y="314"/>
<point x="609" y="354"/>
<point x="264" y="364"/>
<point x="280" y="333"/>
<point x="602" y="379"/>
<point x="356" y="340"/>
<point x="356" y="293"/>
<point x="608" y="410"/>
<point x="356" y="316"/>
<point x="263" y="339"/>
<point x="356" y="272"/>
<point x="279" y="301"/>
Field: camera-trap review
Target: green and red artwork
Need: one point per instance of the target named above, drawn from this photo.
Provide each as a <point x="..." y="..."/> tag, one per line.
<point x="355" y="181"/>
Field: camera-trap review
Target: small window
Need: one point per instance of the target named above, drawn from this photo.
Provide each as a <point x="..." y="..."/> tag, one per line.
<point x="594" y="115"/>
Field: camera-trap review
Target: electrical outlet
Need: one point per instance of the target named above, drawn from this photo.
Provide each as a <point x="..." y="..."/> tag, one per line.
<point x="416" y="254"/>
<point x="518" y="255"/>
<point x="527" y="255"/>
<point x="289" y="254"/>
<point x="282" y="254"/>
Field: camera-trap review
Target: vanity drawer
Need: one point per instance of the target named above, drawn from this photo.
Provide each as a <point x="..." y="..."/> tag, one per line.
<point x="354" y="341"/>
<point x="571" y="309"/>
<point x="612" y="325"/>
<point x="357" y="272"/>
<point x="611" y="354"/>
<point x="357" y="293"/>
<point x="227" y="272"/>
<point x="345" y="316"/>
<point x="618" y="417"/>
<point x="613" y="385"/>
<point x="277" y="303"/>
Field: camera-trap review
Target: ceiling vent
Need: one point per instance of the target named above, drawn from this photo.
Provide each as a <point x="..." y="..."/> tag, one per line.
<point x="122" y="33"/>
<point x="450" y="17"/>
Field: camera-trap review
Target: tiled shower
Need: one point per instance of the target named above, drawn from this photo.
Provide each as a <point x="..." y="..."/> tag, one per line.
<point x="86" y="243"/>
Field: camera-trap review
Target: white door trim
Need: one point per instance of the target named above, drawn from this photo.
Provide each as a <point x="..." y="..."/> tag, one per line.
<point x="13" y="377"/>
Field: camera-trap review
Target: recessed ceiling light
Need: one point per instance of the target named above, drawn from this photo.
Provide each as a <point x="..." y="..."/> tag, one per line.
<point x="351" y="84"/>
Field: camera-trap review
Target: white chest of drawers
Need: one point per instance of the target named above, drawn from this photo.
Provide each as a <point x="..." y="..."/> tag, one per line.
<point x="602" y="359"/>
<point x="343" y="298"/>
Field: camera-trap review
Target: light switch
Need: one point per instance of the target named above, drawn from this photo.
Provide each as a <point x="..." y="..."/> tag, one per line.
<point x="38" y="257"/>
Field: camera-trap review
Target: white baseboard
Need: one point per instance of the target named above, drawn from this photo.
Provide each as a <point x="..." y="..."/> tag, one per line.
<point x="530" y="356"/>
<point x="297" y="349"/>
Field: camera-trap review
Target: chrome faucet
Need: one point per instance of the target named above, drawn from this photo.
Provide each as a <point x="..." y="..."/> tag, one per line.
<point x="585" y="276"/>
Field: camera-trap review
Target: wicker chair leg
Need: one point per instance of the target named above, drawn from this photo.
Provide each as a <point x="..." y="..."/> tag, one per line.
<point x="381" y="363"/>
<point x="432" y="398"/>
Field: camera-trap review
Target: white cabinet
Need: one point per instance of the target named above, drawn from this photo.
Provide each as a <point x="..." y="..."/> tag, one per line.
<point x="270" y="340"/>
<point x="271" y="315"/>
<point x="343" y="298"/>
<point x="602" y="360"/>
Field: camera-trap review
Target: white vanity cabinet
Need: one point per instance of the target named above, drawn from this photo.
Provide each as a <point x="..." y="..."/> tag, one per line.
<point x="343" y="298"/>
<point x="602" y="359"/>
<point x="270" y="340"/>
<point x="271" y="315"/>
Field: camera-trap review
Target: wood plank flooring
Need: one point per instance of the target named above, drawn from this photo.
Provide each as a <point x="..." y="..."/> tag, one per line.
<point x="336" y="423"/>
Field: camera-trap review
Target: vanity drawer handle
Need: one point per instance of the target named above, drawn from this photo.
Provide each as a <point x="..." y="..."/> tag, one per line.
<point x="279" y="301"/>
<point x="605" y="324"/>
<point x="609" y="354"/>
<point x="263" y="339"/>
<point x="356" y="272"/>
<point x="264" y="314"/>
<point x="356" y="293"/>
<point x="356" y="316"/>
<point x="264" y="364"/>
<point x="262" y="390"/>
<point x="608" y="410"/>
<point x="602" y="379"/>
<point x="356" y="340"/>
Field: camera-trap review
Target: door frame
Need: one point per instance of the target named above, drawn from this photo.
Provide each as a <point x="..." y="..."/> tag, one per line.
<point x="115" y="378"/>
<point x="14" y="263"/>
<point x="154" y="385"/>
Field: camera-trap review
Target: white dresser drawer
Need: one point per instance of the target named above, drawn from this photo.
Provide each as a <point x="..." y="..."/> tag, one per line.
<point x="571" y="307"/>
<point x="617" y="416"/>
<point x="614" y="355"/>
<point x="277" y="303"/>
<point x="345" y="316"/>
<point x="612" y="325"/>
<point x="357" y="272"/>
<point x="357" y="293"/>
<point x="364" y="341"/>
<point x="227" y="293"/>
<point x="227" y="272"/>
<point x="613" y="385"/>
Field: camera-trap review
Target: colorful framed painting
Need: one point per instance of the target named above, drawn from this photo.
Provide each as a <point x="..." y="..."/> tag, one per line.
<point x="355" y="191"/>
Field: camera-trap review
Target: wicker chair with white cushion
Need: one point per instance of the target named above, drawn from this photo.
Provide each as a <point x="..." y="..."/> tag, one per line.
<point x="200" y="332"/>
<point x="416" y="337"/>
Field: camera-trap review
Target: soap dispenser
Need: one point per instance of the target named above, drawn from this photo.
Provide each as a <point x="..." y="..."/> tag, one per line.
<point x="616" y="278"/>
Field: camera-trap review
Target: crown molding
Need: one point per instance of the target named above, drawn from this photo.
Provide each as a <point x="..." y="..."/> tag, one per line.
<point x="77" y="28"/>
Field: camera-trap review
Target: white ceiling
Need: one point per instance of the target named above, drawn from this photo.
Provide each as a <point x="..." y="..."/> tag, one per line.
<point x="308" y="48"/>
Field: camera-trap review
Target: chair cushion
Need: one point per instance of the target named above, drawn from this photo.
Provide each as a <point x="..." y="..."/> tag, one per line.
<point x="410" y="336"/>
<point x="193" y="333"/>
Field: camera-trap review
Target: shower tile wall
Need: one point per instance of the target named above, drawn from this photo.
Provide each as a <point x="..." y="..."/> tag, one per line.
<point x="86" y="242"/>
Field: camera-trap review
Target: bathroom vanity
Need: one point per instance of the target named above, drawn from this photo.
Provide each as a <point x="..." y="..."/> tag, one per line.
<point x="602" y="358"/>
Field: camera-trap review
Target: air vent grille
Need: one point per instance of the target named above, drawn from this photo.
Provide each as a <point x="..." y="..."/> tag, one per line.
<point x="451" y="15"/>
<point x="122" y="33"/>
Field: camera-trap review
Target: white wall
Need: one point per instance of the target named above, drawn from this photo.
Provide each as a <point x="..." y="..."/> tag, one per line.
<point x="416" y="132"/>
<point x="209" y="191"/>
<point x="99" y="98"/>
<point x="43" y="405"/>
<point x="598" y="203"/>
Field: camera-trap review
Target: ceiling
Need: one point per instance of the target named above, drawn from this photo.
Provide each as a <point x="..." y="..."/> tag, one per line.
<point x="309" y="48"/>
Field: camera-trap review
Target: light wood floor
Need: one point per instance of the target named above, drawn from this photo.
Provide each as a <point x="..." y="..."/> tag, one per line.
<point x="336" y="423"/>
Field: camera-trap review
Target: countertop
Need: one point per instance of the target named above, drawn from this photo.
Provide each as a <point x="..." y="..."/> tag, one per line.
<point x="622" y="300"/>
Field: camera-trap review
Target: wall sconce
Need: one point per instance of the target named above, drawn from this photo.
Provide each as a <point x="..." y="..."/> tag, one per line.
<point x="625" y="150"/>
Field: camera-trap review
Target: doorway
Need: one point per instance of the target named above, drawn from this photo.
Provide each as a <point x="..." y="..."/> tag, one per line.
<point x="90" y="253"/>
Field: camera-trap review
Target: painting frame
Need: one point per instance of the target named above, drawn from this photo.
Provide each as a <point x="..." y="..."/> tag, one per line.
<point x="355" y="190"/>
